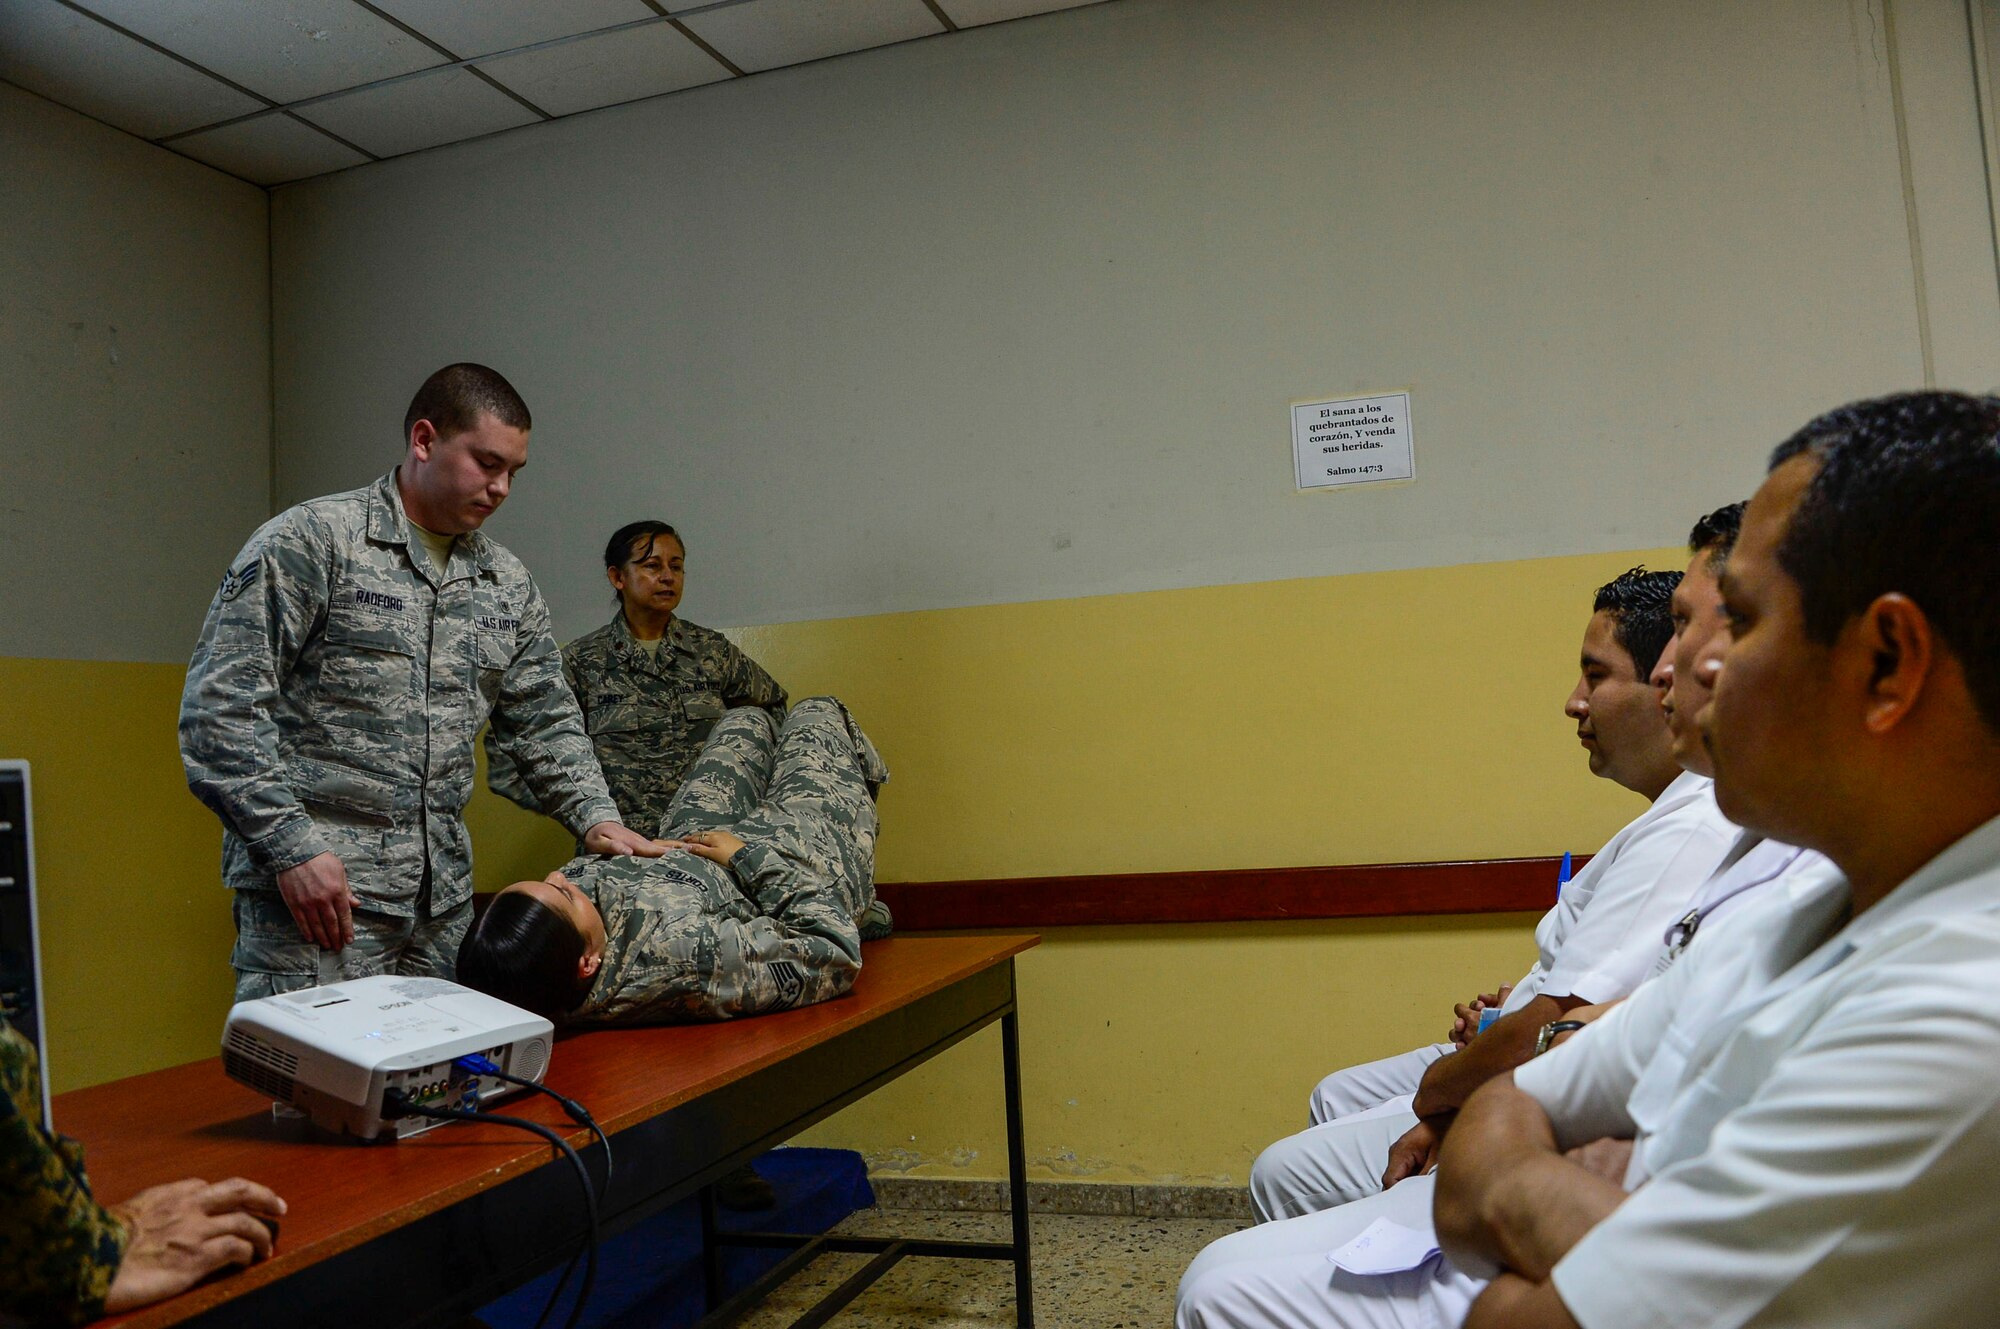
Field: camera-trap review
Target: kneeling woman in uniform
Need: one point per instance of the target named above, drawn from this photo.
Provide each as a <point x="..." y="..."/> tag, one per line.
<point x="760" y="913"/>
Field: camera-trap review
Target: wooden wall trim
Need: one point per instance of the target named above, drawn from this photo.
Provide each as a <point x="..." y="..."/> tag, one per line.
<point x="1373" y="890"/>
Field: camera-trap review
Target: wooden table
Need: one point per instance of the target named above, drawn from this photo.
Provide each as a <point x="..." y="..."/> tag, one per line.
<point x="426" y="1231"/>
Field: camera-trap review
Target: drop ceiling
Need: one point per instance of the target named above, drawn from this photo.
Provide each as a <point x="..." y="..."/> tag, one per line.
<point x="273" y="91"/>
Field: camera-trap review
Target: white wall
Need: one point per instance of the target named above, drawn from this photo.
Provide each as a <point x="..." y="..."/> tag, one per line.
<point x="1017" y="316"/>
<point x="135" y="386"/>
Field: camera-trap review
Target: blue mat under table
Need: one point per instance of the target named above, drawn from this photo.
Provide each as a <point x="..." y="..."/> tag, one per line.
<point x="649" y="1276"/>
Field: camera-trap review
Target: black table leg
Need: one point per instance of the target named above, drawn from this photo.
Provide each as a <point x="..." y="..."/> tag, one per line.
<point x="1017" y="1171"/>
<point x="711" y="1251"/>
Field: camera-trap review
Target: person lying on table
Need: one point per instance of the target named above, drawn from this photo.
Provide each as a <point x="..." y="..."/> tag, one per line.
<point x="758" y="913"/>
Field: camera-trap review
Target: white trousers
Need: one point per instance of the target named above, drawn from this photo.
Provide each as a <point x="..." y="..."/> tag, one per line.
<point x="1326" y="1166"/>
<point x="1357" y="1114"/>
<point x="1371" y="1084"/>
<point x="1277" y="1276"/>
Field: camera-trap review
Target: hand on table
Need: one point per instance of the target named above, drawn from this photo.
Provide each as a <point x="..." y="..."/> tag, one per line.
<point x="185" y="1231"/>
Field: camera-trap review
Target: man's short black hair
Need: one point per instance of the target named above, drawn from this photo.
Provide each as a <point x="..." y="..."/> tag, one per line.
<point x="634" y="540"/>
<point x="1906" y="499"/>
<point x="525" y="953"/>
<point x="1715" y="534"/>
<point x="1642" y="622"/>
<point x="456" y="396"/>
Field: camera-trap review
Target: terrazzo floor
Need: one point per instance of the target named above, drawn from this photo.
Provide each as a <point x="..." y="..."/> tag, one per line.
<point x="1092" y="1271"/>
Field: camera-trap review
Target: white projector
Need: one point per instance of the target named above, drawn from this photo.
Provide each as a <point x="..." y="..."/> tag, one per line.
<point x="334" y="1052"/>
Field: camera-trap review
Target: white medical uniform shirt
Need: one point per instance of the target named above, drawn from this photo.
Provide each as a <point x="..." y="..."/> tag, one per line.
<point x="1603" y="935"/>
<point x="1824" y="1147"/>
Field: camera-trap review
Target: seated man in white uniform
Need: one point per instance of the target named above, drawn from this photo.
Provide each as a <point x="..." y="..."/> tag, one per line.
<point x="1597" y="943"/>
<point x="1816" y="1124"/>
<point x="1807" y="1098"/>
<point x="1239" y="1279"/>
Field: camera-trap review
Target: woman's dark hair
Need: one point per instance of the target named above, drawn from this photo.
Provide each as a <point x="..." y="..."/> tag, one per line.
<point x="635" y="540"/>
<point x="525" y="953"/>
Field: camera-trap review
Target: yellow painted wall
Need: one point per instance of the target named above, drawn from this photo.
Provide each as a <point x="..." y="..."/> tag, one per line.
<point x="1371" y="718"/>
<point x="135" y="921"/>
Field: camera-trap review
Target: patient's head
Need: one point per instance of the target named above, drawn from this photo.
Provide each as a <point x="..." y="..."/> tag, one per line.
<point x="539" y="946"/>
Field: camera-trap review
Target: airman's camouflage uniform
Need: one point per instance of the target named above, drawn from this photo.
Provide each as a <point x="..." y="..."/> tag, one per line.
<point x="688" y="939"/>
<point x="647" y="715"/>
<point x="332" y="704"/>
<point x="59" y="1250"/>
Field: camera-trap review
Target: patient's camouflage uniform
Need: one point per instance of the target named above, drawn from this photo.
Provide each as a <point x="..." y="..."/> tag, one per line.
<point x="688" y="939"/>
<point x="59" y="1250"/>
<point x="648" y="715"/>
<point x="332" y="704"/>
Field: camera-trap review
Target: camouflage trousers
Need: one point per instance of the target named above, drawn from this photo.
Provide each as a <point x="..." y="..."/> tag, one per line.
<point x="272" y="956"/>
<point x="692" y="940"/>
<point x="806" y="786"/>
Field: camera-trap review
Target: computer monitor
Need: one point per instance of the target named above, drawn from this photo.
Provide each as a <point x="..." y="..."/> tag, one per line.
<point x="20" y="934"/>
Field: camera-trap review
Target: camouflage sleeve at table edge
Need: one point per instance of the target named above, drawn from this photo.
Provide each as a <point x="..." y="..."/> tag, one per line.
<point x="59" y="1249"/>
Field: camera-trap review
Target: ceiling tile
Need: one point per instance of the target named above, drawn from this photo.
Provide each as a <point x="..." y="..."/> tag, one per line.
<point x="421" y="112"/>
<point x="501" y="25"/>
<point x="764" y="34"/>
<point x="603" y="71"/>
<point x="284" y="49"/>
<point x="79" y="63"/>
<point x="269" y="150"/>
<point x="972" y="13"/>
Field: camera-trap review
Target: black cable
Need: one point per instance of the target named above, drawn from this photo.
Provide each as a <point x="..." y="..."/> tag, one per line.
<point x="574" y="1110"/>
<point x="396" y="1102"/>
<point x="476" y="1065"/>
<point x="579" y="1114"/>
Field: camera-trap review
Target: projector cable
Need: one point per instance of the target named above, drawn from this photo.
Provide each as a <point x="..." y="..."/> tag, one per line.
<point x="398" y="1103"/>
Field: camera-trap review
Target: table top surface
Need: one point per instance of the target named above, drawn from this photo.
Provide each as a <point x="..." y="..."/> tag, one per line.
<point x="192" y="1121"/>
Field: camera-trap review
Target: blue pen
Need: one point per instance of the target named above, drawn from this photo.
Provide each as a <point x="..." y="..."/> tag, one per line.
<point x="1562" y="878"/>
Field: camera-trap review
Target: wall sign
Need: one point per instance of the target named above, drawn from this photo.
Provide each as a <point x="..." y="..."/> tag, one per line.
<point x="1353" y="441"/>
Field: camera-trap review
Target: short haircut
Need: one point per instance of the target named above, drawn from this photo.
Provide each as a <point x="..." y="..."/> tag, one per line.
<point x="1715" y="534"/>
<point x="456" y="396"/>
<point x="635" y="539"/>
<point x="1905" y="500"/>
<point x="525" y="953"/>
<point x="1642" y="621"/>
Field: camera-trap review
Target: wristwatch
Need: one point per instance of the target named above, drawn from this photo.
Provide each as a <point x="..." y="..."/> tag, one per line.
<point x="1551" y="1030"/>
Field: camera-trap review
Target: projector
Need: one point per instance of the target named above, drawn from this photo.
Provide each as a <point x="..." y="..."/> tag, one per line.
<point x="333" y="1052"/>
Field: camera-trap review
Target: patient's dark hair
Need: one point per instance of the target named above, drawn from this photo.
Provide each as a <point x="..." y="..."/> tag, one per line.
<point x="1904" y="500"/>
<point x="525" y="953"/>
<point x="1642" y="622"/>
